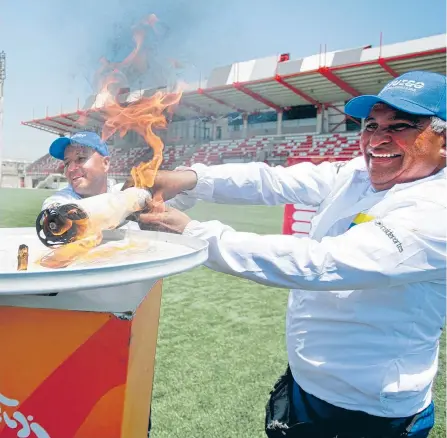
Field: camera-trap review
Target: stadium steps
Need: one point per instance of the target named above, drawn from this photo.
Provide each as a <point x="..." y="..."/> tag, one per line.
<point x="186" y="156"/>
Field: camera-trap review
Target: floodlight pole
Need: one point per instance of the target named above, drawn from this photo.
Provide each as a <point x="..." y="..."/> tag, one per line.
<point x="2" y="81"/>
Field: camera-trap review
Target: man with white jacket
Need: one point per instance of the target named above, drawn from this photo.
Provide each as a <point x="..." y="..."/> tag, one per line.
<point x="367" y="305"/>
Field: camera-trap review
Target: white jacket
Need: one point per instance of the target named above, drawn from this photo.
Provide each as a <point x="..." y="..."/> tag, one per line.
<point x="367" y="305"/>
<point x="67" y="194"/>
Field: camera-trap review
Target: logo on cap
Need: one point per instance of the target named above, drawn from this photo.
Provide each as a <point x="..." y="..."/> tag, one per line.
<point x="79" y="135"/>
<point x="405" y="84"/>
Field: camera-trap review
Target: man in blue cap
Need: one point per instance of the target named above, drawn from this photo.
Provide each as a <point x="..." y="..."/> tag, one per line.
<point x="86" y="164"/>
<point x="367" y="305"/>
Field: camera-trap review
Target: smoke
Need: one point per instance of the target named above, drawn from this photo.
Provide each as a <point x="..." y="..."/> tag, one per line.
<point x="189" y="40"/>
<point x="170" y="48"/>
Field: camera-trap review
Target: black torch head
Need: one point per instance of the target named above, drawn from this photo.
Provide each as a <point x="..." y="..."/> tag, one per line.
<point x="60" y="225"/>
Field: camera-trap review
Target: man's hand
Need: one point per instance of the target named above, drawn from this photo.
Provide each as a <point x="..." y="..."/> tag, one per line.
<point x="169" y="183"/>
<point x="170" y="220"/>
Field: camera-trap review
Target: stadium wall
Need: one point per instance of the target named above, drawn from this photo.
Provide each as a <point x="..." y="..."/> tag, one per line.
<point x="201" y="130"/>
<point x="13" y="173"/>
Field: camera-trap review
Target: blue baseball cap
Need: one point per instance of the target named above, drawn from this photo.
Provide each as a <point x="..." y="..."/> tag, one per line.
<point x="84" y="138"/>
<point x="416" y="92"/>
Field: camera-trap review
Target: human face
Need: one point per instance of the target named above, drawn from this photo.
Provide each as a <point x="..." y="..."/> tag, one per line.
<point x="400" y="147"/>
<point x="86" y="170"/>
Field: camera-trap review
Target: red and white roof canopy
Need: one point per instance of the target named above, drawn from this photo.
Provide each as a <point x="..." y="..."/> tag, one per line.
<point x="263" y="84"/>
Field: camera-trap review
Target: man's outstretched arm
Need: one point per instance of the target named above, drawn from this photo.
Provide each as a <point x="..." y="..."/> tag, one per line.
<point x="402" y="247"/>
<point x="250" y="183"/>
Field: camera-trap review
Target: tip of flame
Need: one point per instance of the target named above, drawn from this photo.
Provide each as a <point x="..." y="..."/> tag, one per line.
<point x="180" y="86"/>
<point x="151" y="20"/>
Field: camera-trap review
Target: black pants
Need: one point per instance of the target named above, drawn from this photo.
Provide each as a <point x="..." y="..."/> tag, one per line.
<point x="291" y="412"/>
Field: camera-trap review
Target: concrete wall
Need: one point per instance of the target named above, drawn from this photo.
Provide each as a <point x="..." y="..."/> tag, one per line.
<point x="10" y="181"/>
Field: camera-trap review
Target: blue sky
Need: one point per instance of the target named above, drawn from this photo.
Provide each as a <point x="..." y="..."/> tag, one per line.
<point x="53" y="47"/>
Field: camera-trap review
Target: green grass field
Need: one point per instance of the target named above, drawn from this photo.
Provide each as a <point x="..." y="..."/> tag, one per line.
<point x="221" y="342"/>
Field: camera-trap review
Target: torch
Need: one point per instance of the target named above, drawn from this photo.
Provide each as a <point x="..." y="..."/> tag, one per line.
<point x="78" y="220"/>
<point x="84" y="220"/>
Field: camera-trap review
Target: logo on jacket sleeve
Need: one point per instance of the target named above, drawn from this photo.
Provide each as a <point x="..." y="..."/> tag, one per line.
<point x="390" y="234"/>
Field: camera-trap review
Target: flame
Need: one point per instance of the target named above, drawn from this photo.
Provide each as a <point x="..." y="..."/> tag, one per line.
<point x="151" y="20"/>
<point x="125" y="248"/>
<point x="142" y="116"/>
<point x="87" y="250"/>
<point x="64" y="255"/>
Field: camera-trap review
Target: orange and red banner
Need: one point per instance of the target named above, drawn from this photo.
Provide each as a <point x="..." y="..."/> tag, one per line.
<point x="76" y="374"/>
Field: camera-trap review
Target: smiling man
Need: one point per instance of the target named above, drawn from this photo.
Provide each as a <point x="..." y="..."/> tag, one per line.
<point x="402" y="143"/>
<point x="399" y="154"/>
<point x="86" y="164"/>
<point x="367" y="305"/>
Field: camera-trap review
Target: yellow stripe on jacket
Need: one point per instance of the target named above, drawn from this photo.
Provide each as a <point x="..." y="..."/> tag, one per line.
<point x="361" y="218"/>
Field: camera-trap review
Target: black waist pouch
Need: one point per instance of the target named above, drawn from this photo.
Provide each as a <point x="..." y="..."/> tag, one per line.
<point x="280" y="419"/>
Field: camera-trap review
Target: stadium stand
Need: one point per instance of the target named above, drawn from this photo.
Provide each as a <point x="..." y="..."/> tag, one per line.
<point x="277" y="149"/>
<point x="272" y="109"/>
<point x="44" y="166"/>
<point x="273" y="150"/>
<point x="217" y="152"/>
<point x="343" y="145"/>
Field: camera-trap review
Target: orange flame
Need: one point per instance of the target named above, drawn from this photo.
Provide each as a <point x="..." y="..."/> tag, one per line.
<point x="141" y="116"/>
<point x="62" y="256"/>
<point x="87" y="250"/>
<point x="151" y="20"/>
